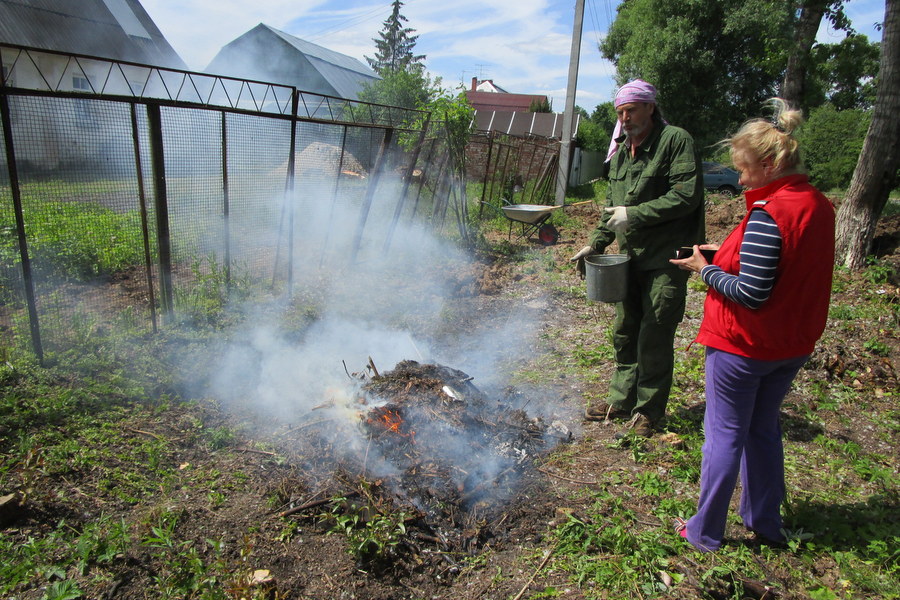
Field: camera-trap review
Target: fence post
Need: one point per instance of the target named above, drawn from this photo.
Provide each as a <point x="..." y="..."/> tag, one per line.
<point x="370" y="192"/>
<point x="334" y="197"/>
<point x="145" y="228"/>
<point x="27" y="278"/>
<point x="406" y="182"/>
<point x="226" y="207"/>
<point x="425" y="175"/>
<point x="290" y="185"/>
<point x="287" y="205"/>
<point x="487" y="169"/>
<point x="161" y="202"/>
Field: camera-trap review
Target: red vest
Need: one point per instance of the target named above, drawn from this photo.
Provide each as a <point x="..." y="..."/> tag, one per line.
<point x="790" y="322"/>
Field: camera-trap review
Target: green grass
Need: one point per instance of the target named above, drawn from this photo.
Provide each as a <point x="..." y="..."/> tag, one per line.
<point x="75" y="419"/>
<point x="73" y="240"/>
<point x="610" y="551"/>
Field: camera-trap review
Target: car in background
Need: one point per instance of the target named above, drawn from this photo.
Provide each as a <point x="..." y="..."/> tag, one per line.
<point x="721" y="179"/>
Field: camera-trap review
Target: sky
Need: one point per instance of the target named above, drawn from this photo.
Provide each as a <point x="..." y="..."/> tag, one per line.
<point x="524" y="46"/>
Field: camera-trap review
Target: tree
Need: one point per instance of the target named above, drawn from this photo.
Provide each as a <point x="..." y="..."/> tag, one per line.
<point x="876" y="171"/>
<point x="595" y="131"/>
<point x="540" y="106"/>
<point x="452" y="118"/>
<point x="409" y="89"/>
<point x="806" y="26"/>
<point x="844" y="74"/>
<point x="394" y="46"/>
<point x="604" y="115"/>
<point x="591" y="136"/>
<point x="404" y="81"/>
<point x="714" y="62"/>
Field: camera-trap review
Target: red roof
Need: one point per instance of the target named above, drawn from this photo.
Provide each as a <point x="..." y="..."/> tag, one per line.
<point x="503" y="102"/>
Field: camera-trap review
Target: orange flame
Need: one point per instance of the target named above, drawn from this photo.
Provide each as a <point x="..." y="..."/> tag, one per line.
<point x="391" y="420"/>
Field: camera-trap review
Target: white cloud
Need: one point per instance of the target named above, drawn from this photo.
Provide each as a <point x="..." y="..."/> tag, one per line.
<point x="524" y="48"/>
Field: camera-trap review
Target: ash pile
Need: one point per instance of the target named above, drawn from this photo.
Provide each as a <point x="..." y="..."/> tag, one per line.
<point x="449" y="442"/>
<point x="439" y="451"/>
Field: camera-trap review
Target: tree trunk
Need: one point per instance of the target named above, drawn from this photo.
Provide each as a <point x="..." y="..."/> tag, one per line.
<point x="876" y="170"/>
<point x="793" y="86"/>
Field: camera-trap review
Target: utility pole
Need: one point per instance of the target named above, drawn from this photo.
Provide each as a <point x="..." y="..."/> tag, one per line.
<point x="565" y="146"/>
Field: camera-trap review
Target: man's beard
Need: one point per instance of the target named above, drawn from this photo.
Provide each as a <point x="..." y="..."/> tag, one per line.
<point x="637" y="130"/>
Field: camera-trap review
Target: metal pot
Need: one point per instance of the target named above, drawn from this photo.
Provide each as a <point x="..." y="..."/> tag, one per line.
<point x="606" y="276"/>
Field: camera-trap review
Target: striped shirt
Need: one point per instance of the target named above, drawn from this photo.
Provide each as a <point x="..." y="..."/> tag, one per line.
<point x="760" y="252"/>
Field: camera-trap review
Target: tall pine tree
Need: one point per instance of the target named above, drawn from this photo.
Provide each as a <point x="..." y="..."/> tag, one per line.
<point x="394" y="46"/>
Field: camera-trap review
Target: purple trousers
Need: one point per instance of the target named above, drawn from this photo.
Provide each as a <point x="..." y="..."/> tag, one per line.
<point x="743" y="435"/>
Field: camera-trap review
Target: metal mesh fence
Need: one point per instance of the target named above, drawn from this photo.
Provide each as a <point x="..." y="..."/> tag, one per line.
<point x="132" y="195"/>
<point x="79" y="201"/>
<point x="514" y="169"/>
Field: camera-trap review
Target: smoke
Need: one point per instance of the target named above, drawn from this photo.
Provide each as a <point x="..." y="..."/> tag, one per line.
<point x="397" y="292"/>
<point x="288" y="378"/>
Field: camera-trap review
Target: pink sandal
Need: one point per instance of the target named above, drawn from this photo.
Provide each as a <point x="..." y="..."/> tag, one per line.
<point x="681" y="527"/>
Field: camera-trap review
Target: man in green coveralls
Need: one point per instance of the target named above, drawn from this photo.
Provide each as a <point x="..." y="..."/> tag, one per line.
<point x="654" y="206"/>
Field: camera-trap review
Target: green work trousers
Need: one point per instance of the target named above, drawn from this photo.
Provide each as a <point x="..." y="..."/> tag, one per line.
<point x="644" y="341"/>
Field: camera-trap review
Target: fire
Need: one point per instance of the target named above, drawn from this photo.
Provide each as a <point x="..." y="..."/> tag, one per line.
<point x="390" y="420"/>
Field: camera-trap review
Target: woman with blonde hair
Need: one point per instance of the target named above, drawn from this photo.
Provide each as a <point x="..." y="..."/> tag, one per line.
<point x="766" y="306"/>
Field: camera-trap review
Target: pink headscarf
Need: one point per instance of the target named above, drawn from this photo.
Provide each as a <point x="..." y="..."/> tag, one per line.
<point x="633" y="91"/>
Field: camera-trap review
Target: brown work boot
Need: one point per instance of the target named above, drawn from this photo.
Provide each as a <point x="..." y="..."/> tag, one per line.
<point x="639" y="425"/>
<point x="601" y="411"/>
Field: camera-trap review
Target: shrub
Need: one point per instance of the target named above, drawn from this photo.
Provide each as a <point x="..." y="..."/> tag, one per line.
<point x="831" y="141"/>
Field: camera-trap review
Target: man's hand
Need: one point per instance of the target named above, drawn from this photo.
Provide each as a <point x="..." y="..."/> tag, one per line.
<point x="618" y="220"/>
<point x="578" y="259"/>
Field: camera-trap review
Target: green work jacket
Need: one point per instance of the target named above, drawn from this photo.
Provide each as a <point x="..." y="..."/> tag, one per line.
<point x="662" y="188"/>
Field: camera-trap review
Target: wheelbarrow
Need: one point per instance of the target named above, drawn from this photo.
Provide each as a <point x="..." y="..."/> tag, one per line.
<point x="533" y="219"/>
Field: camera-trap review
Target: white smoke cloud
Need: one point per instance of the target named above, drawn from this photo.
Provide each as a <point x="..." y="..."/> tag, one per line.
<point x="404" y="303"/>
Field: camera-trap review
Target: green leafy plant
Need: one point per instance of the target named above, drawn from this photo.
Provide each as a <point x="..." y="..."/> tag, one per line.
<point x="822" y="593"/>
<point x="62" y="590"/>
<point x="185" y="572"/>
<point x="71" y="240"/>
<point x="203" y="301"/>
<point x="652" y="484"/>
<point x="584" y="545"/>
<point x="877" y="347"/>
<point x="372" y="535"/>
<point x="593" y="356"/>
<point x="220" y="437"/>
<point x="878" y="272"/>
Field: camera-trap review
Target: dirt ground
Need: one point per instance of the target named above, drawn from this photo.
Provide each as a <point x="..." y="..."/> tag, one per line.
<point x="460" y="550"/>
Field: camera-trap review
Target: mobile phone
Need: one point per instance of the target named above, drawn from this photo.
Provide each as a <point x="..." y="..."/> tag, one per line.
<point x="688" y="251"/>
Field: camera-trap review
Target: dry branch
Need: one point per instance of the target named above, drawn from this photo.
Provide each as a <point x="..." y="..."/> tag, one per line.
<point x="153" y="435"/>
<point x="485" y="483"/>
<point x="254" y="451"/>
<point x="312" y="504"/>
<point x="547" y="556"/>
<point x="550" y="473"/>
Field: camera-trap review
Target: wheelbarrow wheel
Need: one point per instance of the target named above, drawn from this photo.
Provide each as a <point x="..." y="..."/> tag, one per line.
<point x="548" y="235"/>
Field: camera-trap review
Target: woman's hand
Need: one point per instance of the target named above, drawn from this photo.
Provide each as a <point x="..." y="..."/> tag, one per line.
<point x="696" y="261"/>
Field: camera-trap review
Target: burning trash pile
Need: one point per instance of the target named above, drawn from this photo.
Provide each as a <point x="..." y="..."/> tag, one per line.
<point x="438" y="450"/>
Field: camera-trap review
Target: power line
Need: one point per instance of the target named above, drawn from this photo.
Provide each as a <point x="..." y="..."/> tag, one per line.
<point x="596" y="21"/>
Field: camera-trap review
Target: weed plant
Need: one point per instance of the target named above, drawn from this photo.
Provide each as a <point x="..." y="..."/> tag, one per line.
<point x="70" y="240"/>
<point x="373" y="535"/>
